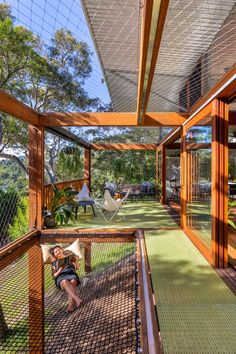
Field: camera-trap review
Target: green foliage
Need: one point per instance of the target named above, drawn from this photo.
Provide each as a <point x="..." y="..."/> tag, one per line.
<point x="8" y="210"/>
<point x="12" y="178"/>
<point x="63" y="205"/>
<point x="20" y="224"/>
<point x="122" y="167"/>
<point x="70" y="163"/>
<point x="44" y="77"/>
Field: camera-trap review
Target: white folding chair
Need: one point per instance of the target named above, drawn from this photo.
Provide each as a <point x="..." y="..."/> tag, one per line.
<point x="110" y="206"/>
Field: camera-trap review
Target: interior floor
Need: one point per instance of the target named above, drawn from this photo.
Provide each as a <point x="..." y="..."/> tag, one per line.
<point x="196" y="309"/>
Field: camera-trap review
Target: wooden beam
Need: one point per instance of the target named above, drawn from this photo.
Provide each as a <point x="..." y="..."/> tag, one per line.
<point x="225" y="88"/>
<point x="124" y="146"/>
<point x="56" y="119"/>
<point x="170" y="138"/>
<point x="164" y="119"/>
<point x="15" y="108"/>
<point x="154" y="14"/>
<point x="199" y="116"/>
<point x="53" y="119"/>
<point x="36" y="176"/>
<point x="66" y="134"/>
<point x="145" y="34"/>
<point x="87" y="166"/>
<point x="219" y="199"/>
<point x="15" y="249"/>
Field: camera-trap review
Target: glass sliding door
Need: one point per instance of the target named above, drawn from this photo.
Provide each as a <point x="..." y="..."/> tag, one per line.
<point x="198" y="206"/>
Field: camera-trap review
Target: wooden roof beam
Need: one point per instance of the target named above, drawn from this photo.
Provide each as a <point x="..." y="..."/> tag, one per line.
<point x="15" y="108"/>
<point x="54" y="119"/>
<point x="66" y="134"/>
<point x="154" y="15"/>
<point x="170" y="138"/>
<point x="225" y="88"/>
<point x="123" y="146"/>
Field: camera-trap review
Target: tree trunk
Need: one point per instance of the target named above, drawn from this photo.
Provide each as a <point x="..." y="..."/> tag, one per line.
<point x="3" y="324"/>
<point x="14" y="158"/>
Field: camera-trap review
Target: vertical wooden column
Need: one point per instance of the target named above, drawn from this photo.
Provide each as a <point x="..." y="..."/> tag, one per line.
<point x="36" y="176"/>
<point x="36" y="300"/>
<point x="87" y="165"/>
<point x="87" y="257"/>
<point x="183" y="179"/>
<point x="163" y="174"/>
<point x="219" y="199"/>
<point x="157" y="174"/>
<point x="35" y="263"/>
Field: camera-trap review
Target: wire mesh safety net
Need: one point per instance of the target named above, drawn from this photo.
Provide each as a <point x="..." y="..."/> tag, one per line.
<point x="105" y="322"/>
<point x="14" y="201"/>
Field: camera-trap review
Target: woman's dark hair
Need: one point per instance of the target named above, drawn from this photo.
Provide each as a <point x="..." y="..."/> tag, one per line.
<point x="51" y="250"/>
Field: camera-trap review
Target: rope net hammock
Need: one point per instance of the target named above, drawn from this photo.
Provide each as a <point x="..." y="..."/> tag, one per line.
<point x="106" y="321"/>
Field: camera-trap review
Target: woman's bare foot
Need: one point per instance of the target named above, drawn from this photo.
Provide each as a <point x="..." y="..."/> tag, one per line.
<point x="78" y="302"/>
<point x="71" y="307"/>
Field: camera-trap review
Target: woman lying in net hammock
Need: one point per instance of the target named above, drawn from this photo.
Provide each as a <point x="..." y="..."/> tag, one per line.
<point x="65" y="276"/>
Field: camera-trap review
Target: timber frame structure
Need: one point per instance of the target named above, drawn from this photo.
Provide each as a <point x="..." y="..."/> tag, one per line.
<point x="214" y="104"/>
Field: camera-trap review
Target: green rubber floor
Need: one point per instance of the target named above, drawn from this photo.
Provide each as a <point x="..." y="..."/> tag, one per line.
<point x="142" y="214"/>
<point x="196" y="310"/>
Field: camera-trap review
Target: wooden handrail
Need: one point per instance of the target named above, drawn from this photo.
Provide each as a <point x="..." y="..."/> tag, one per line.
<point x="15" y="249"/>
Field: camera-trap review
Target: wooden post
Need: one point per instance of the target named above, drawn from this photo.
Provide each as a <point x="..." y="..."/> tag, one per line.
<point x="87" y="166"/>
<point x="163" y="175"/>
<point x="36" y="300"/>
<point x="87" y="257"/>
<point x="36" y="271"/>
<point x="183" y="178"/>
<point x="219" y="200"/>
<point x="36" y="176"/>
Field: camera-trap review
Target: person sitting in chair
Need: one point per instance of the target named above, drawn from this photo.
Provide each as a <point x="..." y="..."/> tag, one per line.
<point x="64" y="273"/>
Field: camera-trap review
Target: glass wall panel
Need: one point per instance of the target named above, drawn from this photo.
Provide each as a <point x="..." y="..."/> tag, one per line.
<point x="232" y="206"/>
<point x="173" y="176"/>
<point x="198" y="206"/>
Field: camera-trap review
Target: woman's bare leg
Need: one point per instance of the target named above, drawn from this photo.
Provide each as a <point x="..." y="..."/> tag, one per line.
<point x="74" y="284"/>
<point x="65" y="284"/>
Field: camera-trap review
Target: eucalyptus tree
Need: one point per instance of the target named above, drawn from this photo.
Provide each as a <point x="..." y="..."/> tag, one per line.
<point x="45" y="77"/>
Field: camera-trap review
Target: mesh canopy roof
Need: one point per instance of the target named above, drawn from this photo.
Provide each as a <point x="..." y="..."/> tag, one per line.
<point x="198" y="46"/>
<point x="116" y="29"/>
<point x="196" y="32"/>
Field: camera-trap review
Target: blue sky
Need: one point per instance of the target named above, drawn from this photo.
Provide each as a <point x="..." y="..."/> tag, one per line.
<point x="44" y="17"/>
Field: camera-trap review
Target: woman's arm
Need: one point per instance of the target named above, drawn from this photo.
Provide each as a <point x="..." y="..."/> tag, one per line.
<point x="55" y="273"/>
<point x="75" y="262"/>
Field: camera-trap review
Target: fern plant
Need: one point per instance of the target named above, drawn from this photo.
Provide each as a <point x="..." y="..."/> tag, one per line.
<point x="63" y="205"/>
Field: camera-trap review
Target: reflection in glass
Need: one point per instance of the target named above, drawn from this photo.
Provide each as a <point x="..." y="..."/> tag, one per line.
<point x="199" y="182"/>
<point x="173" y="176"/>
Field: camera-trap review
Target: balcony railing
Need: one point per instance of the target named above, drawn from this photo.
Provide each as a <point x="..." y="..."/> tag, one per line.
<point x="74" y="184"/>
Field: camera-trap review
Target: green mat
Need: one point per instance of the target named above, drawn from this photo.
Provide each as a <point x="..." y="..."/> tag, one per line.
<point x="196" y="309"/>
<point x="143" y="214"/>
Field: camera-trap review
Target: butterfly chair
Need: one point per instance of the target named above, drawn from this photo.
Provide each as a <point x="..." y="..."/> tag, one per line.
<point x="110" y="206"/>
<point x="84" y="194"/>
<point x="84" y="199"/>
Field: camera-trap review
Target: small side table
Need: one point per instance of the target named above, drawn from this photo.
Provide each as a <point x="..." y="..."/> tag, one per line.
<point x="85" y="203"/>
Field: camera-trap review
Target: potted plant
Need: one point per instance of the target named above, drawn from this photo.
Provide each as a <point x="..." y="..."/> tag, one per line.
<point x="62" y="208"/>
